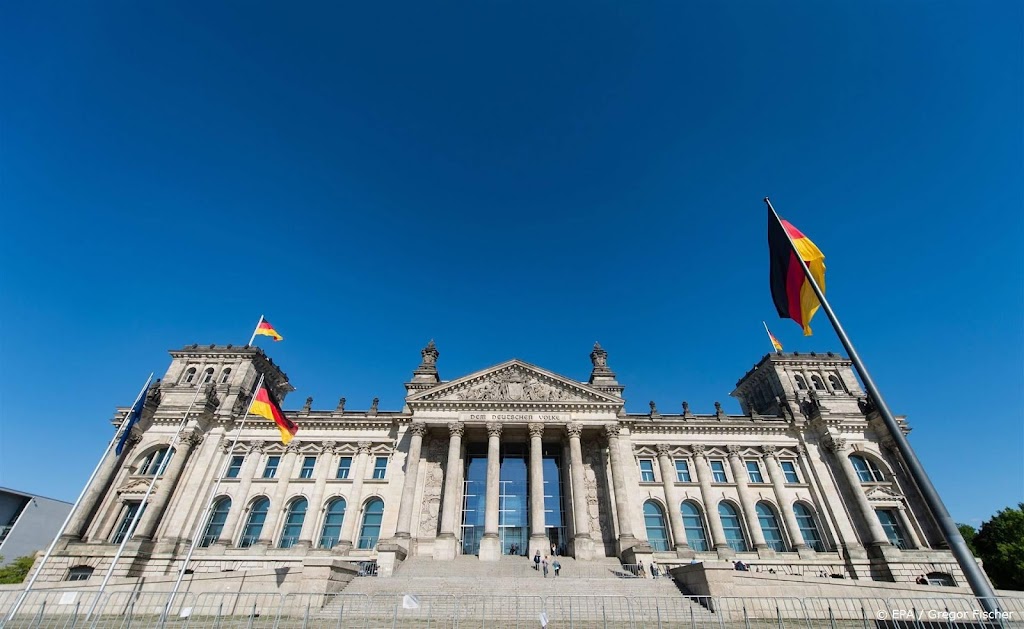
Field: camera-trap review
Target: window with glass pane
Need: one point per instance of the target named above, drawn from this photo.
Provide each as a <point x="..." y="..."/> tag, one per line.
<point x="218" y="517"/>
<point x="151" y="466"/>
<point x="892" y="528"/>
<point x="789" y="471"/>
<point x="867" y="470"/>
<point x="693" y="524"/>
<point x="654" y="519"/>
<point x="380" y="467"/>
<point x="770" y="527"/>
<point x="754" y="472"/>
<point x="270" y="471"/>
<point x="718" y="472"/>
<point x="682" y="472"/>
<point x="308" y="463"/>
<point x="254" y="525"/>
<point x="80" y="573"/>
<point x="130" y="509"/>
<point x="235" y="468"/>
<point x="808" y="527"/>
<point x="646" y="471"/>
<point x="731" y="527"/>
<point x="344" y="466"/>
<point x="370" y="531"/>
<point x="293" y="523"/>
<point x="331" y="533"/>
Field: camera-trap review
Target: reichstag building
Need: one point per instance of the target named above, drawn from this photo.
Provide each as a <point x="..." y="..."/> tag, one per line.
<point x="512" y="459"/>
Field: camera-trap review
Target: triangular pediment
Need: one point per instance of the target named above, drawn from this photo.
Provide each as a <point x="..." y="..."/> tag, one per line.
<point x="515" y="382"/>
<point x="882" y="494"/>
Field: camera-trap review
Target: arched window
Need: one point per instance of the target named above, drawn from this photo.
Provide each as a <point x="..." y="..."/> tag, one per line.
<point x="335" y="515"/>
<point x="818" y="384"/>
<point x="208" y="375"/>
<point x="225" y="375"/>
<point x="155" y="461"/>
<point x="801" y="383"/>
<point x="190" y="375"/>
<point x="837" y="384"/>
<point x="293" y="523"/>
<point x="770" y="527"/>
<point x="693" y="524"/>
<point x="808" y="528"/>
<point x="654" y="519"/>
<point x="215" y="526"/>
<point x="373" y="513"/>
<point x="867" y="470"/>
<point x="731" y="526"/>
<point x="254" y="525"/>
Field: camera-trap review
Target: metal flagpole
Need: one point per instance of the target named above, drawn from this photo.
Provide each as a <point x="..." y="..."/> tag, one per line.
<point x="145" y="499"/>
<point x="209" y="503"/>
<point x="74" y="508"/>
<point x="255" y="330"/>
<point x="975" y="577"/>
<point x="768" y="332"/>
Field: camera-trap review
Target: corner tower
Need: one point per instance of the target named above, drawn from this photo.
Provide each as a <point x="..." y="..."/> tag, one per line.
<point x="795" y="377"/>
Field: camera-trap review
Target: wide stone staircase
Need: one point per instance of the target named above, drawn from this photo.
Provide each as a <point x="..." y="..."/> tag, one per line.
<point x="510" y="592"/>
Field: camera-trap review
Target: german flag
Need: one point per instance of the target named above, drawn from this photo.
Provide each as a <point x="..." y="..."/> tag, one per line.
<point x="792" y="293"/>
<point x="265" y="329"/>
<point x="265" y="406"/>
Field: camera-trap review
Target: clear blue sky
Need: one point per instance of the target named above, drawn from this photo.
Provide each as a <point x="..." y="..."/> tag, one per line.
<point x="512" y="180"/>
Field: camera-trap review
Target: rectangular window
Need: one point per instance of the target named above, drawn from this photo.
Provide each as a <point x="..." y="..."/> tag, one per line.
<point x="682" y="472"/>
<point x="891" y="526"/>
<point x="789" y="470"/>
<point x="344" y="466"/>
<point x="308" y="463"/>
<point x="380" y="467"/>
<point x="130" y="509"/>
<point x="754" y="472"/>
<point x="270" y="471"/>
<point x="646" y="471"/>
<point x="236" y="466"/>
<point x="718" y="472"/>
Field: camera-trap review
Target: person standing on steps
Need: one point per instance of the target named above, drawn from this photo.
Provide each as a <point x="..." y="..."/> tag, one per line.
<point x="556" y="567"/>
<point x="544" y="564"/>
<point x="654" y="569"/>
<point x="536" y="561"/>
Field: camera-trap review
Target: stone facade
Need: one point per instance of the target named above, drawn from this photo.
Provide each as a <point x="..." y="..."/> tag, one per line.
<point x="804" y="479"/>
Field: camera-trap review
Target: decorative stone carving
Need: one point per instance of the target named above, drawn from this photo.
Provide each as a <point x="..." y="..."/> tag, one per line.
<point x="612" y="431"/>
<point x="785" y="409"/>
<point x="574" y="429"/>
<point x="364" y="447"/>
<point x="536" y="429"/>
<point x="664" y="449"/>
<point x="193" y="438"/>
<point x="429" y="354"/>
<point x="698" y="449"/>
<point x="307" y="406"/>
<point x="493" y="429"/>
<point x="224" y="445"/>
<point x="835" y="444"/>
<point x="686" y="410"/>
<point x="258" y="446"/>
<point x="456" y="429"/>
<point x="328" y="446"/>
<point x="598" y="501"/>
<point x="654" y="410"/>
<point x="418" y="428"/>
<point x="734" y="450"/>
<point x="599" y="357"/>
<point x="719" y="413"/>
<point x="341" y="406"/>
<point x="373" y="406"/>
<point x="293" y="446"/>
<point x="435" y="453"/>
<point x="866" y="405"/>
<point x="768" y="451"/>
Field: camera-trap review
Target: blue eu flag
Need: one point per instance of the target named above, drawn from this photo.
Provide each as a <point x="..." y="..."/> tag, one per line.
<point x="133" y="418"/>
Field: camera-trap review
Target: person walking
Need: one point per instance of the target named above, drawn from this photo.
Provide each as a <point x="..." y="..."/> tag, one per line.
<point x="536" y="561"/>
<point x="553" y="553"/>
<point x="544" y="564"/>
<point x="640" y="569"/>
<point x="556" y="567"/>
<point x="654" y="569"/>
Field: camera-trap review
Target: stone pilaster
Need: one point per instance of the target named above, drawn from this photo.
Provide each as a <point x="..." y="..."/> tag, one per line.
<point x="538" y="536"/>
<point x="626" y="539"/>
<point x="784" y="500"/>
<point x="876" y="537"/>
<point x="721" y="546"/>
<point x="747" y="504"/>
<point x="490" y="543"/>
<point x="240" y="494"/>
<point x="324" y="467"/>
<point x="445" y="546"/>
<point x="168" y="481"/>
<point x="98" y="489"/>
<point x="583" y="543"/>
<point x="675" y="516"/>
<point x="349" y="531"/>
<point x="279" y="501"/>
<point x="412" y="465"/>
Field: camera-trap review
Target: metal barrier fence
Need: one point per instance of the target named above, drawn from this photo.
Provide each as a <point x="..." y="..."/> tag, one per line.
<point x="72" y="609"/>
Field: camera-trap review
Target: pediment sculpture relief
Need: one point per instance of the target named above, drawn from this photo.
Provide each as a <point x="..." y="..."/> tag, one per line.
<point x="514" y="385"/>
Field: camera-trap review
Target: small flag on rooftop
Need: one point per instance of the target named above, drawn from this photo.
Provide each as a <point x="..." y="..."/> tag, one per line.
<point x="771" y="337"/>
<point x="265" y="329"/>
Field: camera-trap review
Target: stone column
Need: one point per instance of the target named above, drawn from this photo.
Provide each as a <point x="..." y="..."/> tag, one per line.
<point x="166" y="484"/>
<point x="240" y="495"/>
<point x="739" y="473"/>
<point x="626" y="538"/>
<point x="354" y="507"/>
<point x="783" y="499"/>
<point x="324" y="467"/>
<point x="834" y="515"/>
<point x="538" y="534"/>
<point x="490" y="543"/>
<point x="675" y="516"/>
<point x="721" y="546"/>
<point x="876" y="536"/>
<point x="583" y="544"/>
<point x="445" y="545"/>
<point x="97" y="490"/>
<point x="279" y="501"/>
<point x="412" y="465"/>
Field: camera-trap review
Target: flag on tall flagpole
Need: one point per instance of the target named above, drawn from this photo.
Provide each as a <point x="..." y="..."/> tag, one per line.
<point x="771" y="337"/>
<point x="133" y="418"/>
<point x="793" y="295"/>
<point x="266" y="407"/>
<point x="265" y="329"/>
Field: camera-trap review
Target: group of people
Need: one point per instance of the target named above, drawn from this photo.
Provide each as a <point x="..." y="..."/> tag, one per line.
<point x="642" y="572"/>
<point x="543" y="564"/>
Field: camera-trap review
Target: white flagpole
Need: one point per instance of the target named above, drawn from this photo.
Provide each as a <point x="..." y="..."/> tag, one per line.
<point x="145" y="499"/>
<point x="255" y="330"/>
<point x="768" y="332"/>
<point x="209" y="503"/>
<point x="74" y="508"/>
